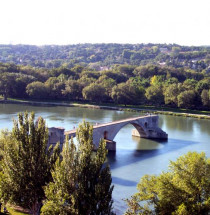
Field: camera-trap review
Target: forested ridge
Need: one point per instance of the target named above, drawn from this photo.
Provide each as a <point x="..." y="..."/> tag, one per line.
<point x="99" y="55"/>
<point x="154" y="74"/>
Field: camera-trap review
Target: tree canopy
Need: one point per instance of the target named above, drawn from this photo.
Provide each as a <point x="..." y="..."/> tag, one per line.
<point x="184" y="189"/>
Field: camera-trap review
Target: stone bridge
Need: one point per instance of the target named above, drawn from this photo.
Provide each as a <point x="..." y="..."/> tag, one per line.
<point x="145" y="126"/>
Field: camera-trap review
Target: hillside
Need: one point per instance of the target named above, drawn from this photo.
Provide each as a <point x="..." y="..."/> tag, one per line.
<point x="103" y="56"/>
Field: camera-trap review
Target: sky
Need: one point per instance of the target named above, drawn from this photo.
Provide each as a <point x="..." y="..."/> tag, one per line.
<point x="62" y="22"/>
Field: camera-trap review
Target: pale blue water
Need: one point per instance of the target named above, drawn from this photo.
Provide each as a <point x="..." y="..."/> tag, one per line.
<point x="134" y="157"/>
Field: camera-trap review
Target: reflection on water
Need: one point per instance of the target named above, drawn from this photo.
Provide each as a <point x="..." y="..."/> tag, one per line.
<point x="146" y="144"/>
<point x="177" y="124"/>
<point x="134" y="157"/>
<point x="184" y="124"/>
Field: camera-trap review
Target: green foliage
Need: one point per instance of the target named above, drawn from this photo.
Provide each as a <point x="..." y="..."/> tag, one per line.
<point x="73" y="89"/>
<point x="140" y="82"/>
<point x="189" y="84"/>
<point x="6" y="84"/>
<point x="107" y="83"/>
<point x="126" y="70"/>
<point x="90" y="74"/>
<point x="205" y="97"/>
<point x="204" y="84"/>
<point x="85" y="81"/>
<point x="154" y="94"/>
<point x="14" y="84"/>
<point x="147" y="71"/>
<point x="184" y="189"/>
<point x="67" y="56"/>
<point x="187" y="99"/>
<point x="37" y="90"/>
<point x="170" y="94"/>
<point x="176" y="49"/>
<point x="95" y="92"/>
<point x="81" y="181"/>
<point x="27" y="162"/>
<point x="54" y="87"/>
<point x="119" y="78"/>
<point x="157" y="80"/>
<point x="124" y="93"/>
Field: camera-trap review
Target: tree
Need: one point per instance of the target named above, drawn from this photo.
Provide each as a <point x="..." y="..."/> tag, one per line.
<point x="184" y="189"/>
<point x="170" y="94"/>
<point x="187" y="99"/>
<point x="55" y="87"/>
<point x="154" y="94"/>
<point x="73" y="89"/>
<point x="204" y="84"/>
<point x="148" y="71"/>
<point x="14" y="84"/>
<point x="107" y="83"/>
<point x="95" y="92"/>
<point x="189" y="84"/>
<point x="118" y="77"/>
<point x="81" y="182"/>
<point x="27" y="162"/>
<point x="136" y="90"/>
<point x="157" y="80"/>
<point x="140" y="82"/>
<point x="205" y="97"/>
<point x="20" y="84"/>
<point x="126" y="54"/>
<point x="37" y="90"/>
<point x="176" y="49"/>
<point x="126" y="70"/>
<point x="85" y="81"/>
<point x="124" y="93"/>
<point x="7" y="83"/>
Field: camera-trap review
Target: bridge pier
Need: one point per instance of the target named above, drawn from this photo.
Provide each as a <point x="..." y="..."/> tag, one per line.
<point x="56" y="134"/>
<point x="110" y="145"/>
<point x="155" y="133"/>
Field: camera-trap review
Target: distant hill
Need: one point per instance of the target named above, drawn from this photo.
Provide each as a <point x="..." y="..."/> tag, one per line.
<point x="103" y="56"/>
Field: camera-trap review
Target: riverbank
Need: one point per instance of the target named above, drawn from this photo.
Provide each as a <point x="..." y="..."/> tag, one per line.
<point x="130" y="108"/>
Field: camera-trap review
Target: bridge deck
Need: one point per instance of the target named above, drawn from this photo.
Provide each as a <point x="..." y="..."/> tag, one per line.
<point x="71" y="132"/>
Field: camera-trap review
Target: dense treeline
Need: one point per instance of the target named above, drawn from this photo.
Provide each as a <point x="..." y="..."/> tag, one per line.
<point x="123" y="84"/>
<point x="98" y="56"/>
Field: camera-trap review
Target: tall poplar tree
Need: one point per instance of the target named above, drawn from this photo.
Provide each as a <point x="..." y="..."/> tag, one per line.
<point x="27" y="162"/>
<point x="81" y="180"/>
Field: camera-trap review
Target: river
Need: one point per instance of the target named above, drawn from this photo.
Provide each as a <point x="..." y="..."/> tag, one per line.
<point x="134" y="157"/>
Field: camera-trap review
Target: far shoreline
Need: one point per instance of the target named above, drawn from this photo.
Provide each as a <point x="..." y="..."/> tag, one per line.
<point x="129" y="108"/>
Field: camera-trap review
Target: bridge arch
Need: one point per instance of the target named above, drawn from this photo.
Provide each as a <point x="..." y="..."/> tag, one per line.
<point x="140" y="128"/>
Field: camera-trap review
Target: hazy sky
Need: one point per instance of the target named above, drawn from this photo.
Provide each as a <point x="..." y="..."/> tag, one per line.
<point x="186" y="22"/>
